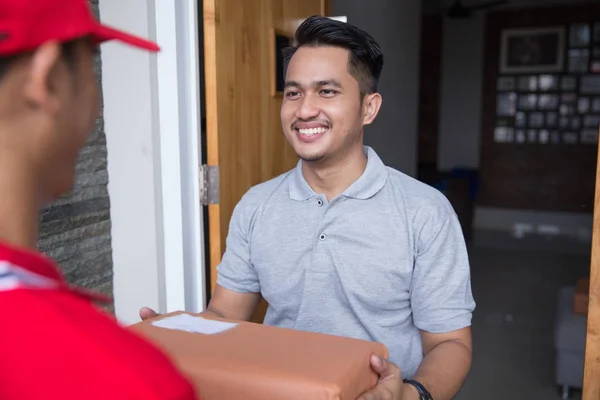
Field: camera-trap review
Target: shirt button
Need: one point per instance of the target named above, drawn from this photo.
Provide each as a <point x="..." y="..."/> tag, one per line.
<point x="322" y="236"/>
<point x="319" y="202"/>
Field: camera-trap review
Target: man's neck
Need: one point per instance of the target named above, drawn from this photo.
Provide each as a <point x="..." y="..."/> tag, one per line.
<point x="19" y="208"/>
<point x="334" y="177"/>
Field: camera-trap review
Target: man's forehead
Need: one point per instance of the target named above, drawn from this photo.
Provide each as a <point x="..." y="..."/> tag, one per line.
<point x="320" y="53"/>
<point x="317" y="65"/>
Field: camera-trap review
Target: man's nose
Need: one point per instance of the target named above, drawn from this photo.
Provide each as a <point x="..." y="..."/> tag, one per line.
<point x="308" y="108"/>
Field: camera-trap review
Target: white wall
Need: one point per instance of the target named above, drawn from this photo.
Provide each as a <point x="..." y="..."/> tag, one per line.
<point x="395" y="25"/>
<point x="461" y="92"/>
<point x="151" y="124"/>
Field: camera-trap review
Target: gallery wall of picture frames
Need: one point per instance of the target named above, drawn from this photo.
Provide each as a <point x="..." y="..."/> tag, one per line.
<point x="548" y="86"/>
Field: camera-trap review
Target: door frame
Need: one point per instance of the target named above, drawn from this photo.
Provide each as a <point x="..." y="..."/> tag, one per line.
<point x="152" y="123"/>
<point x="210" y="19"/>
<point x="591" y="370"/>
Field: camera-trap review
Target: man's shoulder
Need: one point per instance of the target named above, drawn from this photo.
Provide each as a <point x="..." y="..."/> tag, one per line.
<point x="418" y="196"/>
<point x="428" y="211"/>
<point x="262" y="192"/>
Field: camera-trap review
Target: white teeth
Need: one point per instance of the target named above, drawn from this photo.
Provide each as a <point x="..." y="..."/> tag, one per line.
<point x="312" y="131"/>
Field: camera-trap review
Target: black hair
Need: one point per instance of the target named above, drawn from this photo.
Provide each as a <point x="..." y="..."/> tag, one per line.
<point x="365" y="60"/>
<point x="68" y="53"/>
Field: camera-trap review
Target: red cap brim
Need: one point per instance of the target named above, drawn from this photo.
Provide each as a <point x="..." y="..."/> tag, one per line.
<point x="103" y="33"/>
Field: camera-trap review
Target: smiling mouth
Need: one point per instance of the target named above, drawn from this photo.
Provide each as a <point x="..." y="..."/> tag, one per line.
<point x="312" y="131"/>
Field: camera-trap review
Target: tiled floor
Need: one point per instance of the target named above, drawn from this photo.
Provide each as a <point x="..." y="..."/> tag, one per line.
<point x="515" y="291"/>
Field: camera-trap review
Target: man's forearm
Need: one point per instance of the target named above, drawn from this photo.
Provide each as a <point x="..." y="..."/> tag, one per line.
<point x="444" y="369"/>
<point x="211" y="313"/>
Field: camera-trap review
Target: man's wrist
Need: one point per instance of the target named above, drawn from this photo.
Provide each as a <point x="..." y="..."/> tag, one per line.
<point x="410" y="392"/>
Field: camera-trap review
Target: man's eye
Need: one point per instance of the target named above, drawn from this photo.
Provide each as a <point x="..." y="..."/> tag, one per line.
<point x="291" y="94"/>
<point x="328" y="92"/>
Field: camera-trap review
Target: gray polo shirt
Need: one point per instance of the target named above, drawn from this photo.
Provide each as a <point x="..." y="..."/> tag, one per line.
<point x="380" y="262"/>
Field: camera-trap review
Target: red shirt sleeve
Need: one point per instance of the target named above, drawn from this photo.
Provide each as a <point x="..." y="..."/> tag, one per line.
<point x="56" y="345"/>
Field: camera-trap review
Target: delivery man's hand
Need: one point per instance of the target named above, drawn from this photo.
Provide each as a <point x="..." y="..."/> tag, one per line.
<point x="147" y="313"/>
<point x="390" y="385"/>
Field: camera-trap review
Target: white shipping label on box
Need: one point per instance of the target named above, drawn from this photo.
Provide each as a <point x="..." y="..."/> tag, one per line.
<point x="190" y="323"/>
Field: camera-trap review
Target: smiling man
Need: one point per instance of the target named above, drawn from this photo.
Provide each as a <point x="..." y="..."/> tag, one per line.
<point x="343" y="244"/>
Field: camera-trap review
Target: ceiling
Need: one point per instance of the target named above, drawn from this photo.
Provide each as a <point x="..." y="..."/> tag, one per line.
<point x="432" y="6"/>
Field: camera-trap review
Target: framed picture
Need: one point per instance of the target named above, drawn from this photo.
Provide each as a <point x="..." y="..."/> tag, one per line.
<point x="548" y="83"/>
<point x="280" y="39"/>
<point x="583" y="105"/>
<point x="590" y="84"/>
<point x="504" y="122"/>
<point x="568" y="98"/>
<point x="532" y="136"/>
<point x="527" y="102"/>
<point x="528" y="83"/>
<point x="579" y="60"/>
<point x="596" y="32"/>
<point x="532" y="50"/>
<point x="536" y="119"/>
<point x="591" y="121"/>
<point x="568" y="83"/>
<point x="505" y="105"/>
<point x="596" y="105"/>
<point x="503" y="134"/>
<point x="570" y="138"/>
<point x="548" y="101"/>
<point x="589" y="136"/>
<point x="506" y="84"/>
<point x="579" y="35"/>
<point x="520" y="119"/>
<point x="567" y="109"/>
<point x="544" y="136"/>
<point x="551" y="119"/>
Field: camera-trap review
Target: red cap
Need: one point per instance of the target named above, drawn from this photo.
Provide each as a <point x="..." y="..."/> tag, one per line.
<point x="27" y="24"/>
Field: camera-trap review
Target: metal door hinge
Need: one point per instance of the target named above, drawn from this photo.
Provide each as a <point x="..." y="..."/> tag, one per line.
<point x="209" y="184"/>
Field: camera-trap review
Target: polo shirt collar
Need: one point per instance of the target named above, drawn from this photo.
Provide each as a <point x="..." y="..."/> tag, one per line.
<point x="29" y="269"/>
<point x="367" y="185"/>
<point x="299" y="188"/>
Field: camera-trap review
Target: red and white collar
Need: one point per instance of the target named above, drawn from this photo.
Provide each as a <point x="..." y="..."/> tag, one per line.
<point x="26" y="269"/>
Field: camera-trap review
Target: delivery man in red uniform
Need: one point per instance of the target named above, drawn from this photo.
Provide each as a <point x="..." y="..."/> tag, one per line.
<point x="54" y="344"/>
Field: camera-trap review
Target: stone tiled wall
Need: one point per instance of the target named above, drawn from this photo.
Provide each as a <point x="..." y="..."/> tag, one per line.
<point x="75" y="230"/>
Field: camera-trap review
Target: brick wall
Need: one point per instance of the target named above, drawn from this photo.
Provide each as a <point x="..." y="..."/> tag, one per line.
<point x="75" y="230"/>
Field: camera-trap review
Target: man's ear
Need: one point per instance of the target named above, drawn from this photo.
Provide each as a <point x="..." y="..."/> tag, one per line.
<point x="371" y="105"/>
<point x="40" y="87"/>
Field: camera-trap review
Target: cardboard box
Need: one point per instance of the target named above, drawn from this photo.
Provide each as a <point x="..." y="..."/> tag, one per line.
<point x="581" y="298"/>
<point x="230" y="360"/>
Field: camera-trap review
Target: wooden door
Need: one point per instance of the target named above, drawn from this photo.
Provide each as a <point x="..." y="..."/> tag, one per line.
<point x="244" y="136"/>
<point x="591" y="375"/>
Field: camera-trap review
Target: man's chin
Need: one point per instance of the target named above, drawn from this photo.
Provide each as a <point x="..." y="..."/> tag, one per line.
<point x="311" y="158"/>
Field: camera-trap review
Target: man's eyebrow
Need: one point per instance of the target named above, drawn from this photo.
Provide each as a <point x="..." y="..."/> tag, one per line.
<point x="289" y="84"/>
<point x="323" y="82"/>
<point x="328" y="82"/>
